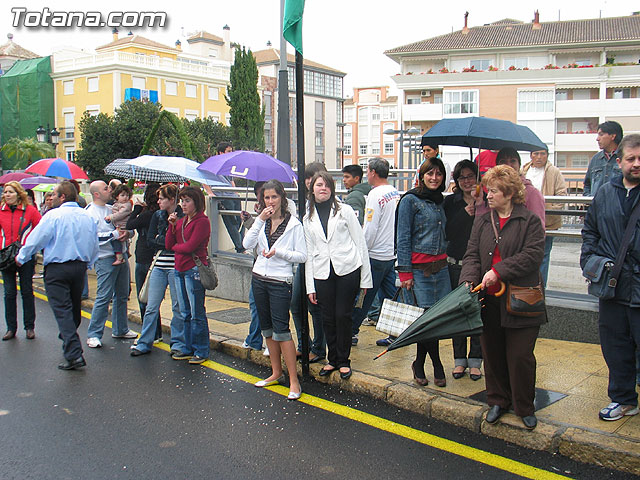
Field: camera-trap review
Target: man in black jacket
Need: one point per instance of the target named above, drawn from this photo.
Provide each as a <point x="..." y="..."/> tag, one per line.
<point x="619" y="320"/>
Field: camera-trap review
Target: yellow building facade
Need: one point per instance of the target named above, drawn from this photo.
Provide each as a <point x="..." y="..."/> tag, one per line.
<point x="188" y="84"/>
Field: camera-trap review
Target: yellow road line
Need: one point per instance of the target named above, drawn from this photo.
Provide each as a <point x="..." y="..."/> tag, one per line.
<point x="475" y="454"/>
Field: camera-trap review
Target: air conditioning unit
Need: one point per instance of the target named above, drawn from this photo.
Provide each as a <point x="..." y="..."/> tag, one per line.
<point x="425" y="93"/>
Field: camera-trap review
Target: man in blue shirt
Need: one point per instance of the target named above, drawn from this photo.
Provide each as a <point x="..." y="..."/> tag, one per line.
<point x="69" y="237"/>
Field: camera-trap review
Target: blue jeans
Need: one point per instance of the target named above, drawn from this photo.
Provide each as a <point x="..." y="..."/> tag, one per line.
<point x="233" y="222"/>
<point x="319" y="344"/>
<point x="158" y="281"/>
<point x="254" y="339"/>
<point x="384" y="279"/>
<point x="196" y="325"/>
<point x="544" y="267"/>
<point x="272" y="301"/>
<point x="113" y="283"/>
<point x="26" y="292"/>
<point x="376" y="306"/>
<point x="430" y="289"/>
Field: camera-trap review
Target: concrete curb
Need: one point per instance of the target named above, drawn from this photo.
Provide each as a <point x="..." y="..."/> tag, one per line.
<point x="607" y="450"/>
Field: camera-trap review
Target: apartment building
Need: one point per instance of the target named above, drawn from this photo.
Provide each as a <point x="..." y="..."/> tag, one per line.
<point x="367" y="115"/>
<point x="560" y="78"/>
<point x="323" y="103"/>
<point x="191" y="84"/>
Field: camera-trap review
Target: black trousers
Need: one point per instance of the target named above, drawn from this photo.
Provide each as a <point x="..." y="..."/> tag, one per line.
<point x="336" y="296"/>
<point x="509" y="362"/>
<point x="64" y="283"/>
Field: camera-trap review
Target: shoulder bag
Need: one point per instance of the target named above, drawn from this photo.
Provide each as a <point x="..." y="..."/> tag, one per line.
<point x="522" y="301"/>
<point x="208" y="276"/>
<point x="396" y="316"/>
<point x="143" y="296"/>
<point x="601" y="272"/>
<point x="8" y="253"/>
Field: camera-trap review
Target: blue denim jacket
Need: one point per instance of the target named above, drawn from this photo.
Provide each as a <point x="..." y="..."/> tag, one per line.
<point x="600" y="171"/>
<point x="420" y="228"/>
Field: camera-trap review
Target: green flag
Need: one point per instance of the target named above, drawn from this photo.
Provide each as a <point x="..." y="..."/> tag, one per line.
<point x="292" y="24"/>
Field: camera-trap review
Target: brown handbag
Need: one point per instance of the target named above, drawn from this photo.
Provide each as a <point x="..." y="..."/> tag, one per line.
<point x="525" y="301"/>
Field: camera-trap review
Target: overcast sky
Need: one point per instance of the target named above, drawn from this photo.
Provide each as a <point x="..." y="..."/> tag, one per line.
<point x="349" y="35"/>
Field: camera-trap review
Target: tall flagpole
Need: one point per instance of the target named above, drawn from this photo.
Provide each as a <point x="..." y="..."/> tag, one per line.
<point x="283" y="149"/>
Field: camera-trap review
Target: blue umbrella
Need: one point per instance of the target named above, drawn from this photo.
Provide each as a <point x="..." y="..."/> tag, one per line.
<point x="483" y="132"/>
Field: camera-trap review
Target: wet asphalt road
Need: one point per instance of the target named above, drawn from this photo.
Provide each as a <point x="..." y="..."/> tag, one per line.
<point x="152" y="417"/>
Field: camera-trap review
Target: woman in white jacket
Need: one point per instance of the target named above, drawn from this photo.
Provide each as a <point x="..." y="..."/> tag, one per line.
<point x="280" y="240"/>
<point x="336" y="269"/>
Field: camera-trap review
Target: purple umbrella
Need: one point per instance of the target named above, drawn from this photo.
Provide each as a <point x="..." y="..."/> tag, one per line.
<point x="250" y="165"/>
<point x="35" y="181"/>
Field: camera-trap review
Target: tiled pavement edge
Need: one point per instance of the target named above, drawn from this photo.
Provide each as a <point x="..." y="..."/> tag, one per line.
<point x="585" y="445"/>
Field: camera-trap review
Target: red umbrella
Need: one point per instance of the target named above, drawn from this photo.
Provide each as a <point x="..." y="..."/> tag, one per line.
<point x="57" y="167"/>
<point x="13" y="177"/>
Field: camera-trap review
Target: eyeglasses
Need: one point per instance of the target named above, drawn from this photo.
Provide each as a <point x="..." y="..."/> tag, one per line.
<point x="466" y="178"/>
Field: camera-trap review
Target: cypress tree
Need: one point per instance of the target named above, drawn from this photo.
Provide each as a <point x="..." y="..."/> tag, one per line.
<point x="247" y="118"/>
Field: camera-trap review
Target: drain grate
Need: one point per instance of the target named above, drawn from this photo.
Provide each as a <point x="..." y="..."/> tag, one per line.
<point x="543" y="398"/>
<point x="232" y="315"/>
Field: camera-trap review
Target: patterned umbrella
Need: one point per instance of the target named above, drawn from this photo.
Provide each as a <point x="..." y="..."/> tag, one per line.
<point x="179" y="166"/>
<point x="57" y="167"/>
<point x="120" y="168"/>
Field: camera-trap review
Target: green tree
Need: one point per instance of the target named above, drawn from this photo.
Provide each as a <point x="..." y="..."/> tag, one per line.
<point x="247" y="118"/>
<point x="22" y="152"/>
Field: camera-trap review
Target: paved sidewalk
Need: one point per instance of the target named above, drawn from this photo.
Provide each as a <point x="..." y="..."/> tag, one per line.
<point x="572" y="375"/>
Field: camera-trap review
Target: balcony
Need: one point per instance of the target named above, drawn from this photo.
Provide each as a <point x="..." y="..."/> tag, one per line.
<point x="602" y="107"/>
<point x="154" y="63"/>
<point x="422" y="111"/>
<point x="576" y="142"/>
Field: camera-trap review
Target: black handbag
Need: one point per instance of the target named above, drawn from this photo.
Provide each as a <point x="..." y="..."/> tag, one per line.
<point x="8" y="253"/>
<point x="601" y="272"/>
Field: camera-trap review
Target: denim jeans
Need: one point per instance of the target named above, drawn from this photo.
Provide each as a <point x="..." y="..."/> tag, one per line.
<point x="140" y="275"/>
<point x="233" y="222"/>
<point x="319" y="344"/>
<point x="544" y="267"/>
<point x="430" y="289"/>
<point x="254" y="339"/>
<point x="376" y="306"/>
<point x="196" y="325"/>
<point x="26" y="292"/>
<point x="159" y="279"/>
<point x="85" y="287"/>
<point x="272" y="301"/>
<point x="384" y="279"/>
<point x="113" y="283"/>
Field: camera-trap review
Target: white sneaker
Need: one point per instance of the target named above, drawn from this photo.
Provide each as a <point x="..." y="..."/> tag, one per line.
<point x="266" y="352"/>
<point x="245" y="345"/>
<point x="93" y="342"/>
<point x="129" y="334"/>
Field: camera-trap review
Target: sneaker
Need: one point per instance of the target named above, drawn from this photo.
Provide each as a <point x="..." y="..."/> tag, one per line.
<point x="266" y="352"/>
<point x="129" y="334"/>
<point x="176" y="355"/>
<point x="158" y="340"/>
<point x="615" y="411"/>
<point x="385" y="342"/>
<point x="196" y="360"/>
<point x="93" y="342"/>
<point x="354" y="340"/>
<point x="367" y="322"/>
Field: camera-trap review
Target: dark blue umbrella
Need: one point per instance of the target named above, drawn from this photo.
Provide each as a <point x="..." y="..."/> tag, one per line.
<point x="483" y="132"/>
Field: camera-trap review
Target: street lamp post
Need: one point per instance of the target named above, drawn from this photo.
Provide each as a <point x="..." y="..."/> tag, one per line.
<point x="412" y="134"/>
<point x="49" y="136"/>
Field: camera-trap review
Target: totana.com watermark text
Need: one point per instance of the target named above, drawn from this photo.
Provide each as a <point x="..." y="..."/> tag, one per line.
<point x="60" y="19"/>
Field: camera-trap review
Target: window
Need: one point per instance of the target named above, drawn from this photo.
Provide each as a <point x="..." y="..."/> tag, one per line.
<point x="71" y="154"/>
<point x="267" y="136"/>
<point x="227" y="119"/>
<point x="93" y="110"/>
<point x="375" y="149"/>
<point x="388" y="113"/>
<point x="582" y="94"/>
<point x="413" y="99"/>
<point x="191" y="115"/>
<point x="535" y="101"/>
<point x="349" y="115"/>
<point x="347" y="149"/>
<point x="171" y="88"/>
<point x="460" y="102"/>
<point x="213" y="52"/>
<point x="139" y="82"/>
<point x="320" y="113"/>
<point x="266" y="101"/>
<point x="562" y="95"/>
<point x="213" y="93"/>
<point x="480" y="64"/>
<point x="68" y="87"/>
<point x="517" y="62"/>
<point x="347" y="134"/>
<point x="69" y="124"/>
<point x="364" y="149"/>
<point x="388" y="148"/>
<point x="375" y="114"/>
<point x="579" y="161"/>
<point x="583" y="62"/>
<point x="622" y="93"/>
<point x="319" y="137"/>
<point x="363" y="132"/>
<point x="215" y="116"/>
<point x="190" y="90"/>
<point x="92" y="84"/>
<point x="561" y="160"/>
<point x="363" y="115"/>
<point x="437" y="98"/>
